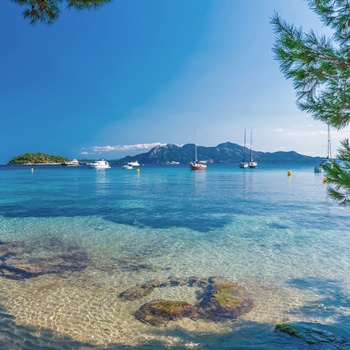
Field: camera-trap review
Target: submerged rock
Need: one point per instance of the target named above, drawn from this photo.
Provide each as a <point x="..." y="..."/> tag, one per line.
<point x="287" y="328"/>
<point x="141" y="290"/>
<point x="223" y="299"/>
<point x="20" y="261"/>
<point x="313" y="333"/>
<point x="127" y="265"/>
<point x="159" y="312"/>
<point x="218" y="300"/>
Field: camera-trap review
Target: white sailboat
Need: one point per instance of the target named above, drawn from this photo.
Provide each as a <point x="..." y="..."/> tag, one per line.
<point x="327" y="161"/>
<point x="252" y="162"/>
<point x="244" y="164"/>
<point x="197" y="164"/>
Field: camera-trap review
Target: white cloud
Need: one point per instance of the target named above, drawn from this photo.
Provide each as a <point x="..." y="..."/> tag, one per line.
<point x="122" y="148"/>
<point x="278" y="130"/>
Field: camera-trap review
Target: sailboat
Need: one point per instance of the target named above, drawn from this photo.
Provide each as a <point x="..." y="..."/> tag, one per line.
<point x="252" y="162"/>
<point x="328" y="161"/>
<point x="197" y="164"/>
<point x="244" y="164"/>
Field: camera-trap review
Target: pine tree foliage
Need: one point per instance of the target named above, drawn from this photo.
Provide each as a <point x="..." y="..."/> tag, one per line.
<point x="319" y="67"/>
<point x="338" y="175"/>
<point x="47" y="11"/>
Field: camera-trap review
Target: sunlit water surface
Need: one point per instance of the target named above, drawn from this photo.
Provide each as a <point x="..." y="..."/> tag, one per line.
<point x="279" y="236"/>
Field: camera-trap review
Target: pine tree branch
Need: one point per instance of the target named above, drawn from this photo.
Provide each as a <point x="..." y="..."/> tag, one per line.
<point x="48" y="11"/>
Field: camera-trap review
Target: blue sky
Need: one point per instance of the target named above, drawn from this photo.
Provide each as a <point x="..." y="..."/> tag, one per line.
<point x="116" y="81"/>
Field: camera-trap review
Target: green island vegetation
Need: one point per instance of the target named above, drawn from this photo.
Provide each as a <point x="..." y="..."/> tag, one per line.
<point x="36" y="158"/>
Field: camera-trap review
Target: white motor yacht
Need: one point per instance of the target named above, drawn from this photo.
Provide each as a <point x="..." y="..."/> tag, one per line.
<point x="127" y="167"/>
<point x="73" y="162"/>
<point x="134" y="163"/>
<point x="99" y="164"/>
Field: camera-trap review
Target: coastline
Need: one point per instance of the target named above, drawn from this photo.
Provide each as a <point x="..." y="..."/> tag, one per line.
<point x="31" y="164"/>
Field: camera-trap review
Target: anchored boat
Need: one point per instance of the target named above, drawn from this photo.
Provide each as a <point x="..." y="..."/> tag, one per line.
<point x="197" y="164"/>
<point x="73" y="162"/>
<point x="252" y="162"/>
<point x="244" y="164"/>
<point x="99" y="164"/>
<point x="327" y="161"/>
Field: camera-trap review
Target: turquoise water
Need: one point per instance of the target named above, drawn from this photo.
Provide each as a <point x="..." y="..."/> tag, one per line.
<point x="84" y="236"/>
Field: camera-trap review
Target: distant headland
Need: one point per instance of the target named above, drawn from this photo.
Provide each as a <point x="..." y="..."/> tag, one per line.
<point x="223" y="153"/>
<point x="170" y="154"/>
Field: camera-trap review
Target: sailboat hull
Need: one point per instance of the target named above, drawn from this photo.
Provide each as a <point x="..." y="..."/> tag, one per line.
<point x="253" y="164"/>
<point x="198" y="166"/>
<point x="243" y="165"/>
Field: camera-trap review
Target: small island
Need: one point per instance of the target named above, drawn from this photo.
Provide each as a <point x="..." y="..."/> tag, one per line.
<point x="37" y="159"/>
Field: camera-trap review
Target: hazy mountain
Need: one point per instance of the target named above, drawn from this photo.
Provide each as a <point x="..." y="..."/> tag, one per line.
<point x="223" y="153"/>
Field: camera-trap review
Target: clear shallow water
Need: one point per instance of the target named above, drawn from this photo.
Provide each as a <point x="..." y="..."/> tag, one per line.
<point x="281" y="237"/>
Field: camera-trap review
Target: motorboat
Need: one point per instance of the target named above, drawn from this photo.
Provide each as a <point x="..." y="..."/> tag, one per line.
<point x="134" y="163"/>
<point x="197" y="164"/>
<point x="127" y="167"/>
<point x="73" y="162"/>
<point x="99" y="164"/>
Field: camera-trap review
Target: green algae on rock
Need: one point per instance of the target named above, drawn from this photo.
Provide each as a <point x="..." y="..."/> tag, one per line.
<point x="159" y="312"/>
<point x="218" y="299"/>
<point x="223" y="299"/>
<point x="315" y="333"/>
<point x="287" y="328"/>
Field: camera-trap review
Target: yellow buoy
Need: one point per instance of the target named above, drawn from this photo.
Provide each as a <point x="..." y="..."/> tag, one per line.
<point x="289" y="173"/>
<point x="137" y="171"/>
<point x="324" y="180"/>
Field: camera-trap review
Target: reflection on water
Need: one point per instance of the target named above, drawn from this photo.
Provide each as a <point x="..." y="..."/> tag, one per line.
<point x="102" y="182"/>
<point x="200" y="183"/>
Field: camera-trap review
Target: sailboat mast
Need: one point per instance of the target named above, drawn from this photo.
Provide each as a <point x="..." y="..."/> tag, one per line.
<point x="329" y="155"/>
<point x="245" y="136"/>
<point x="195" y="147"/>
<point x="251" y="140"/>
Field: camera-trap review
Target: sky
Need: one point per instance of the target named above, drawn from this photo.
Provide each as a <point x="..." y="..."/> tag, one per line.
<point x="137" y="73"/>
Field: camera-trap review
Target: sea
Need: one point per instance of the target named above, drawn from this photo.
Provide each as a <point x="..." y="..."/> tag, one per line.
<point x="73" y="239"/>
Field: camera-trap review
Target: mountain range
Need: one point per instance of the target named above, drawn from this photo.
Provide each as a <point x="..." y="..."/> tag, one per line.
<point x="223" y="153"/>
